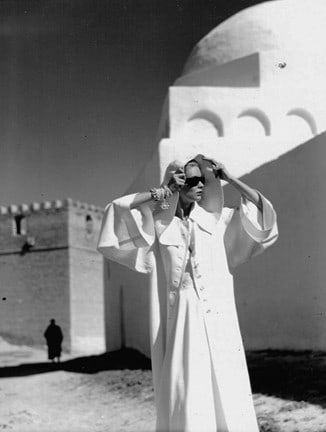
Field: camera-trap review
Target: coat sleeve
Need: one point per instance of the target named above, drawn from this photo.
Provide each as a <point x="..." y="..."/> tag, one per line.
<point x="127" y="235"/>
<point x="249" y="231"/>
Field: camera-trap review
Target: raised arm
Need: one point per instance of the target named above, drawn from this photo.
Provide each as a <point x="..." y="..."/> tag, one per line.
<point x="175" y="183"/>
<point x="252" y="227"/>
<point x="141" y="198"/>
<point x="245" y="190"/>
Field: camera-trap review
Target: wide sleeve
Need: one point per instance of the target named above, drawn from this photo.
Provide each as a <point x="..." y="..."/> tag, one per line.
<point x="127" y="235"/>
<point x="249" y="231"/>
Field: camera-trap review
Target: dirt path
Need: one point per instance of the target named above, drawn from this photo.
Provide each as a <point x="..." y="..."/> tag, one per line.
<point x="36" y="396"/>
<point x="95" y="394"/>
<point x="63" y="401"/>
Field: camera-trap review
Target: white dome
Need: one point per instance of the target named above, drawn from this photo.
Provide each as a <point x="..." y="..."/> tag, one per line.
<point x="293" y="26"/>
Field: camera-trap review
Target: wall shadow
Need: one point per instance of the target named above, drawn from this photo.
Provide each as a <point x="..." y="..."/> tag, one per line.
<point x="296" y="376"/>
<point x="241" y="72"/>
<point x="280" y="294"/>
<point x="291" y="375"/>
<point x="123" y="359"/>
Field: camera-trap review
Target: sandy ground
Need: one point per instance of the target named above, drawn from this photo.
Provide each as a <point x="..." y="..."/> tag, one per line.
<point x="113" y="392"/>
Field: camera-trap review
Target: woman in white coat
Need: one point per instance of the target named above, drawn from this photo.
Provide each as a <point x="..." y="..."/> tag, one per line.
<point x="188" y="242"/>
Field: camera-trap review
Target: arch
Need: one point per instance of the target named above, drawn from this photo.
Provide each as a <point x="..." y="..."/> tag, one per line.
<point x="306" y="116"/>
<point x="259" y="115"/>
<point x="211" y="117"/>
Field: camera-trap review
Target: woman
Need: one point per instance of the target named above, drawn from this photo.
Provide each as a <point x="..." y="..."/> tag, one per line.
<point x="188" y="243"/>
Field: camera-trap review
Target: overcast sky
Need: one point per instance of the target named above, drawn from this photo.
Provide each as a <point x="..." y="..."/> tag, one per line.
<point x="81" y="88"/>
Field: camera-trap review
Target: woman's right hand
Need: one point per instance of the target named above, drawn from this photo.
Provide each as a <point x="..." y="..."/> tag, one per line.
<point x="177" y="181"/>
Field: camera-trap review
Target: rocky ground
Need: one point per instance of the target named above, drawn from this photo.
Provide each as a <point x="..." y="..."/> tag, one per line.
<point x="113" y="392"/>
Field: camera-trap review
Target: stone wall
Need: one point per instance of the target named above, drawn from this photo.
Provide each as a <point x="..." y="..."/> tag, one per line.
<point x="49" y="268"/>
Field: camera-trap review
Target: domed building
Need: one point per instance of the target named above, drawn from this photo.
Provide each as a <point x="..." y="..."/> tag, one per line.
<point x="251" y="95"/>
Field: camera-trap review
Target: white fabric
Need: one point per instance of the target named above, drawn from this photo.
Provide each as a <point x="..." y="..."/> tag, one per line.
<point x="199" y="367"/>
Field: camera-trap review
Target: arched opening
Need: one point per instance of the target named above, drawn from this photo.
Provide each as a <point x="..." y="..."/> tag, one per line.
<point x="258" y="115"/>
<point x="306" y="116"/>
<point x="212" y="118"/>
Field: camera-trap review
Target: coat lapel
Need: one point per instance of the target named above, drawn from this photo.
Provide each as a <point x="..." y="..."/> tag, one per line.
<point x="171" y="235"/>
<point x="206" y="221"/>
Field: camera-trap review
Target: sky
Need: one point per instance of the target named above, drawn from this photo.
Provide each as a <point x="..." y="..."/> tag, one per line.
<point x="82" y="83"/>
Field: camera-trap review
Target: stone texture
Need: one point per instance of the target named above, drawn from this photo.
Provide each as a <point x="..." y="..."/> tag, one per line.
<point x="59" y="276"/>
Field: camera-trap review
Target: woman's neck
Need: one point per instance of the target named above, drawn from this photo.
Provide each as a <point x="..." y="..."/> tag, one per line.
<point x="183" y="209"/>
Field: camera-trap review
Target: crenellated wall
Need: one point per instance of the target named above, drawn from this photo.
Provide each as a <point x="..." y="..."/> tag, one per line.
<point x="49" y="268"/>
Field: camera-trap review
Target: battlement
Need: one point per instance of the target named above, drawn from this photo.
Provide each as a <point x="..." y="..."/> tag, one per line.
<point x="49" y="224"/>
<point x="55" y="205"/>
<point x="50" y="267"/>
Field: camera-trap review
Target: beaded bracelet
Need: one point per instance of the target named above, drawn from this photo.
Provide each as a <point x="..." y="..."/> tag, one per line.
<point x="157" y="194"/>
<point x="161" y="195"/>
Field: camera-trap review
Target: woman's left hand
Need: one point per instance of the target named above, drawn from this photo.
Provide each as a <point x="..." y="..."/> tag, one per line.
<point x="219" y="169"/>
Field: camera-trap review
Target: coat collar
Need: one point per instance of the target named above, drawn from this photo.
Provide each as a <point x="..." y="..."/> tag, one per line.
<point x="167" y="225"/>
<point x="206" y="214"/>
<point x="207" y="221"/>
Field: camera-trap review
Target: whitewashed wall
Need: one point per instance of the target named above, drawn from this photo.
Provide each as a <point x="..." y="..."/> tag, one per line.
<point x="262" y="114"/>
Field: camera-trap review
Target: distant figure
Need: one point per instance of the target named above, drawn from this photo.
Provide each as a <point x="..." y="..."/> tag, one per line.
<point x="54" y="337"/>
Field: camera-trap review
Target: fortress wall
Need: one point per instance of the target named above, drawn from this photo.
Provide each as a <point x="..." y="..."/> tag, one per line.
<point x="34" y="279"/>
<point x="36" y="288"/>
<point x="86" y="279"/>
<point x="86" y="301"/>
<point x="51" y="270"/>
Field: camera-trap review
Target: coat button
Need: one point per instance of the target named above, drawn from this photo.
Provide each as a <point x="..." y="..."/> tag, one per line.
<point x="172" y="297"/>
<point x="208" y="311"/>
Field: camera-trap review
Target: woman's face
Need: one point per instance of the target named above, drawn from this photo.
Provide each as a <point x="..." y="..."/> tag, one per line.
<point x="194" y="186"/>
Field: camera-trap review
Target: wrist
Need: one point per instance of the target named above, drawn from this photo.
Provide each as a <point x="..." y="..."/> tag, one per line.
<point x="173" y="187"/>
<point x="161" y="195"/>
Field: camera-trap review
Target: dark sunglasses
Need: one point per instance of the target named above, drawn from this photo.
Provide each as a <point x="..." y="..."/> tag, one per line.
<point x="193" y="181"/>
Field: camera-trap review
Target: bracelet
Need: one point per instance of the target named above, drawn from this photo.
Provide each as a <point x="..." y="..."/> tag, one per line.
<point x="161" y="195"/>
<point x="157" y="194"/>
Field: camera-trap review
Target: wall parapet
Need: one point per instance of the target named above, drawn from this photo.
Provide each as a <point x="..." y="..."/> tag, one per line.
<point x="55" y="205"/>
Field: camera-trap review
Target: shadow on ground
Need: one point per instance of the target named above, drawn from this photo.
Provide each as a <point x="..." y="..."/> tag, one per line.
<point x="297" y="376"/>
<point x="122" y="359"/>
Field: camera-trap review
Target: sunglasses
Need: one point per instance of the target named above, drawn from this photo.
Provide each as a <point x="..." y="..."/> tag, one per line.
<point x="193" y="181"/>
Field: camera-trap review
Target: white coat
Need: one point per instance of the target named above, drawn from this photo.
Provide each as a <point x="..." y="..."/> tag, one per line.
<point x="199" y="368"/>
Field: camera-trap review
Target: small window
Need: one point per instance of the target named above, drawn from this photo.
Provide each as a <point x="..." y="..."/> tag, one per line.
<point x="89" y="224"/>
<point x="19" y="225"/>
